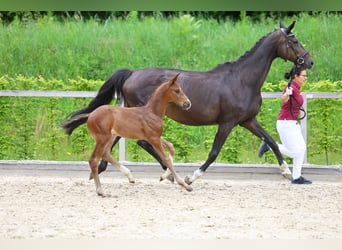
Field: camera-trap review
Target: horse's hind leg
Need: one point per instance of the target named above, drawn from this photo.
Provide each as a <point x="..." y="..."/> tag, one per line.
<point x="93" y="163"/>
<point x="253" y="126"/>
<point x="148" y="147"/>
<point x="103" y="164"/>
<point x="109" y="158"/>
<point x="220" y="137"/>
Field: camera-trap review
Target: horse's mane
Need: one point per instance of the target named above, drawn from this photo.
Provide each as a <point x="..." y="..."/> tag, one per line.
<point x="246" y="54"/>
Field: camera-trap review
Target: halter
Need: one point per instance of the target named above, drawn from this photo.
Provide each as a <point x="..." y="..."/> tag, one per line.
<point x="299" y="58"/>
<point x="299" y="61"/>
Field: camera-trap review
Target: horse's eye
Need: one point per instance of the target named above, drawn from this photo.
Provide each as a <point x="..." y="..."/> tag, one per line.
<point x="295" y="41"/>
<point x="177" y="91"/>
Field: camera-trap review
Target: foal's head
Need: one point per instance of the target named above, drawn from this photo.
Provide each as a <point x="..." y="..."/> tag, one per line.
<point x="176" y="95"/>
<point x="291" y="49"/>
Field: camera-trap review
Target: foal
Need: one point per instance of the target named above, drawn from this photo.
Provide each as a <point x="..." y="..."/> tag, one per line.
<point x="139" y="123"/>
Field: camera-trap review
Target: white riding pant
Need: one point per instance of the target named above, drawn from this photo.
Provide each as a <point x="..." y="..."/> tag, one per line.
<point x="293" y="144"/>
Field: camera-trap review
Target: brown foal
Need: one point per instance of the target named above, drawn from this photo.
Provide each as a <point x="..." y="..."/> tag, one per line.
<point x="139" y="123"/>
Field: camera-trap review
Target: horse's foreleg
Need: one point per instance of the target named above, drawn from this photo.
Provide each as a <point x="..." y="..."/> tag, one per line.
<point x="148" y="147"/>
<point x="169" y="147"/>
<point x="220" y="137"/>
<point x="168" y="174"/>
<point x="253" y="126"/>
<point x="168" y="162"/>
<point x="103" y="164"/>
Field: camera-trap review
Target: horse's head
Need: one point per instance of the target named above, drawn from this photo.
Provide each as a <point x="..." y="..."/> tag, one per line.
<point x="291" y="49"/>
<point x="177" y="95"/>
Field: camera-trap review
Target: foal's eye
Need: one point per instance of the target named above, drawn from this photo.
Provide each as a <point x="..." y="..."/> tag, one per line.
<point x="177" y="91"/>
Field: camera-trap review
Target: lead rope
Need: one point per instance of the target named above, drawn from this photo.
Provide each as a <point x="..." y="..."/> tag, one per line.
<point x="291" y="107"/>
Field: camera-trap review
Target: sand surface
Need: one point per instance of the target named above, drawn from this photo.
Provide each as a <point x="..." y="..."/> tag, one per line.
<point x="67" y="207"/>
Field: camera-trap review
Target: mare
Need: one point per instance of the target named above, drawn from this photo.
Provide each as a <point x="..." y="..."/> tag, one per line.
<point x="227" y="95"/>
<point x="108" y="122"/>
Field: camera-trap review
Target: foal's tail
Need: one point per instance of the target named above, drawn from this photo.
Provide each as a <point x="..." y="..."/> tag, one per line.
<point x="112" y="88"/>
<point x="72" y="123"/>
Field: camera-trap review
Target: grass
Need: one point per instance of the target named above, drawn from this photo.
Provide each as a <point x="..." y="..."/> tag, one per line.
<point x="93" y="50"/>
<point x="69" y="52"/>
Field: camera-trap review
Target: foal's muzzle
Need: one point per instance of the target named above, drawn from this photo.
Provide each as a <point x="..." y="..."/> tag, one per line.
<point x="186" y="105"/>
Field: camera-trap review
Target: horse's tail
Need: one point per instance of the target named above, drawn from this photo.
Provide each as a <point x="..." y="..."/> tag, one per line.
<point x="112" y="88"/>
<point x="72" y="123"/>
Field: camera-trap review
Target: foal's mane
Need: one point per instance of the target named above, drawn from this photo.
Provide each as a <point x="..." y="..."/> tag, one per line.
<point x="161" y="89"/>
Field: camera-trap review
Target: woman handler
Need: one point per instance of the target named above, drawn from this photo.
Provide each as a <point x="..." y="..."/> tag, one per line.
<point x="293" y="144"/>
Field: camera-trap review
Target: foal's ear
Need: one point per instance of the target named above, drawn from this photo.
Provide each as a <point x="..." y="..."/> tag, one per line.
<point x="174" y="79"/>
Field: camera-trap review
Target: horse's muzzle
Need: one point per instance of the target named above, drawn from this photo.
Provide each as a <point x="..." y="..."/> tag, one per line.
<point x="186" y="105"/>
<point x="307" y="60"/>
<point x="310" y="63"/>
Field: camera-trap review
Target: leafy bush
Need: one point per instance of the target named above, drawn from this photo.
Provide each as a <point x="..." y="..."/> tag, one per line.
<point x="44" y="54"/>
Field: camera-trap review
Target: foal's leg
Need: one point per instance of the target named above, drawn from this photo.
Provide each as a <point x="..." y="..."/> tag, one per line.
<point x="108" y="157"/>
<point x="253" y="126"/>
<point x="157" y="144"/>
<point x="148" y="147"/>
<point x="103" y="164"/>
<point x="168" y="175"/>
<point x="93" y="163"/>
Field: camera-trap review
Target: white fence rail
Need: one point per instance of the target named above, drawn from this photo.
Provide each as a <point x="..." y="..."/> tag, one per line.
<point x="122" y="143"/>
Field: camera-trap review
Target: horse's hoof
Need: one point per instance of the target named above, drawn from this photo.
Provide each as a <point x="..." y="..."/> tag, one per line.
<point x="103" y="195"/>
<point x="187" y="180"/>
<point x="287" y="175"/>
<point x="171" y="178"/>
<point x="285" y="171"/>
<point x="189" y="188"/>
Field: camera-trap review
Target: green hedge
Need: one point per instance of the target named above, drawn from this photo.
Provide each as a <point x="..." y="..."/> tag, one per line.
<point x="31" y="126"/>
<point x="93" y="50"/>
<point x="45" y="54"/>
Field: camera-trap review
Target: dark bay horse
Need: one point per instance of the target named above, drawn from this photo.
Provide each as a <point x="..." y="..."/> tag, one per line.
<point x="227" y="95"/>
<point x="140" y="123"/>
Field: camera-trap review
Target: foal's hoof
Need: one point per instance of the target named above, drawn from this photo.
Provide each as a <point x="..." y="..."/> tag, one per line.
<point x="103" y="194"/>
<point x="187" y="180"/>
<point x="91" y="176"/>
<point x="171" y="178"/>
<point x="188" y="188"/>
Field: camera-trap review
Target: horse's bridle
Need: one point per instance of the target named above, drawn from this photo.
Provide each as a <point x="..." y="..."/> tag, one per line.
<point x="299" y="61"/>
<point x="300" y="58"/>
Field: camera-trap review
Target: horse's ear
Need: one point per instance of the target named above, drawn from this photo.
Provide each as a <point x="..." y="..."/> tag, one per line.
<point x="282" y="26"/>
<point x="174" y="79"/>
<point x="291" y="27"/>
